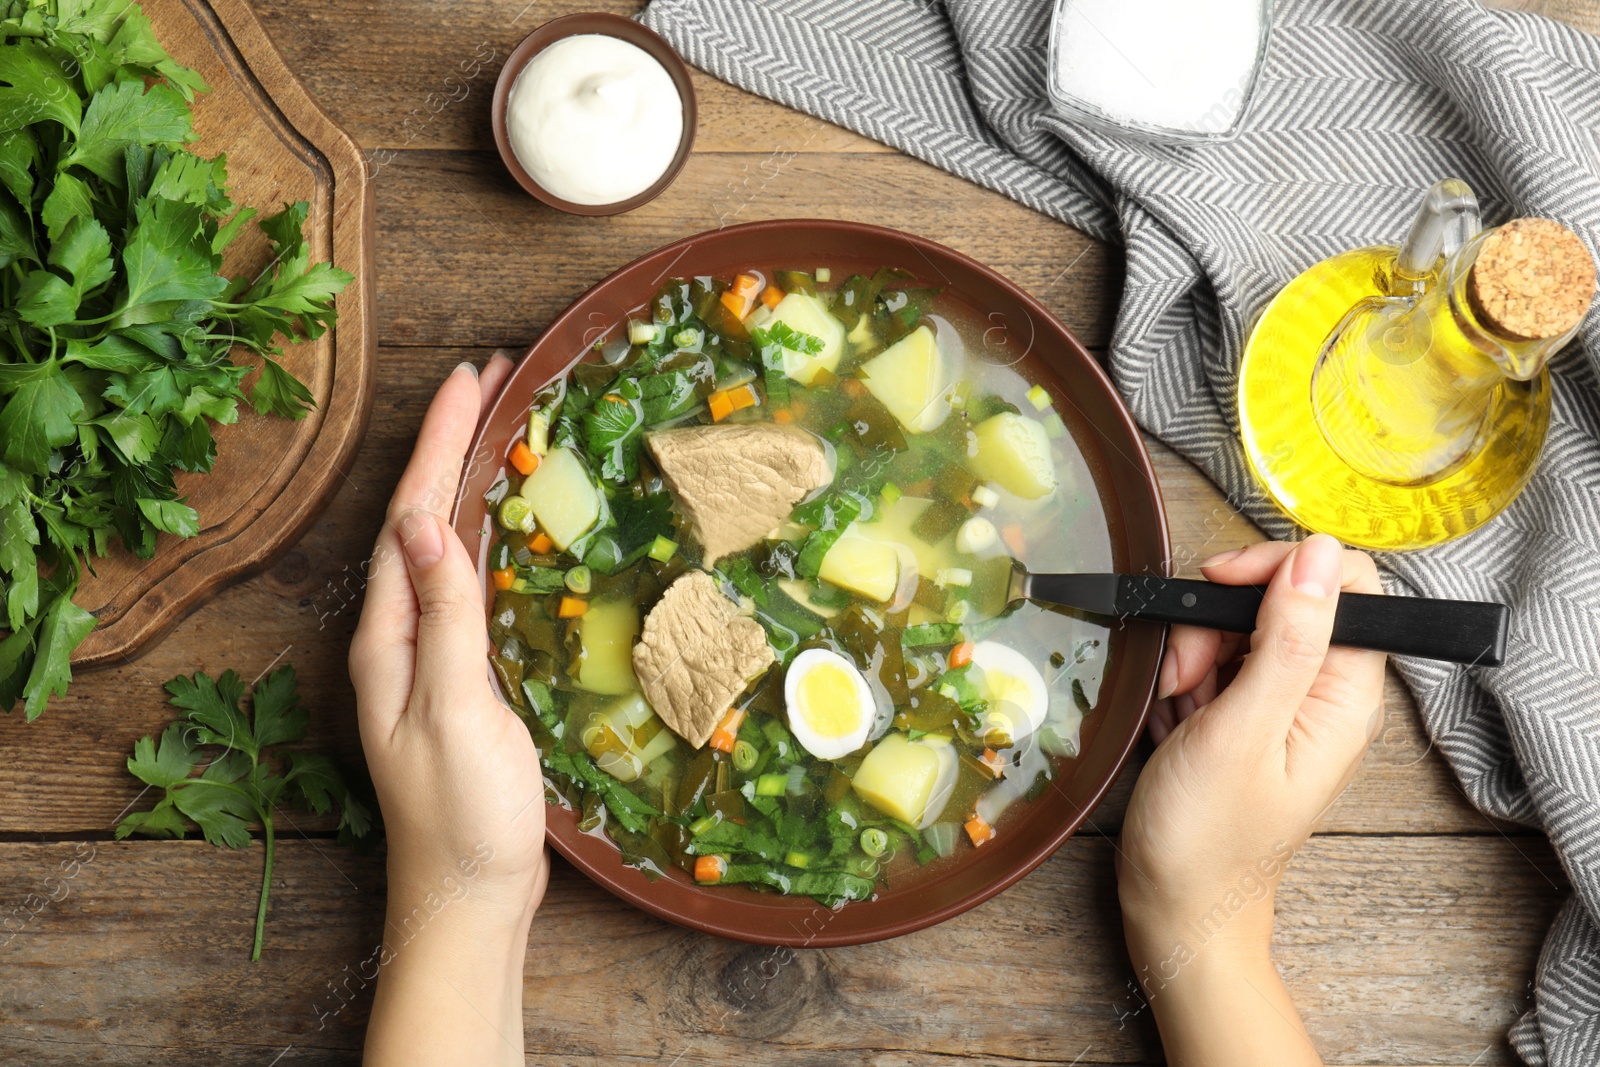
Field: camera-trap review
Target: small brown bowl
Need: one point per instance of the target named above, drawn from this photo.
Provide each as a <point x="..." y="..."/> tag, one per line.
<point x="624" y="29"/>
<point x="1024" y="332"/>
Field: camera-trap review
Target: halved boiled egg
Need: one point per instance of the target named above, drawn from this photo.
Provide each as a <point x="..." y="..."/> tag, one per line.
<point x="831" y="707"/>
<point x="1014" y="690"/>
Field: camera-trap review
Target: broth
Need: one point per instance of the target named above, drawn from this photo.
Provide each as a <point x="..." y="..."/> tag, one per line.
<point x="907" y="709"/>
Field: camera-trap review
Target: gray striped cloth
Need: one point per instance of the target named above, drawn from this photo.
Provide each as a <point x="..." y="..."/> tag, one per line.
<point x="1361" y="106"/>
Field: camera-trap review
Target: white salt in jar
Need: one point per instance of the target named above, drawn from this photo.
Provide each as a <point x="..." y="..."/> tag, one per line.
<point x="1163" y="70"/>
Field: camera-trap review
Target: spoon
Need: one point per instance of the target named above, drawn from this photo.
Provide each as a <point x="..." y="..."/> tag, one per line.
<point x="1456" y="631"/>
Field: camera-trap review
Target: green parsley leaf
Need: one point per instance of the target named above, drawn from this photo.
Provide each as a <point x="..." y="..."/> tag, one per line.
<point x="65" y="624"/>
<point x="15" y="660"/>
<point x="164" y="820"/>
<point x="135" y="437"/>
<point x="230" y="229"/>
<point x="170" y="516"/>
<point x="16" y="242"/>
<point x="277" y="392"/>
<point x="135" y="45"/>
<point x="39" y="89"/>
<point x="214" y="705"/>
<point x="220" y="811"/>
<point x="19" y="153"/>
<point x="123" y="114"/>
<point x="167" y="261"/>
<point x="242" y="779"/>
<point x="46" y="299"/>
<point x="39" y="417"/>
<point x="125" y="337"/>
<point x="84" y="251"/>
<point x="612" y="431"/>
<point x="18" y="538"/>
<point x="167" y="763"/>
<point x="785" y="336"/>
<point x="70" y="199"/>
<point x="279" y="718"/>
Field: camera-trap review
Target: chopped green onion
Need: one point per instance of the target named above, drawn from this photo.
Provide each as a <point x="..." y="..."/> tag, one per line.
<point x="949" y="692"/>
<point x="538" y="432"/>
<point x="874" y="842"/>
<point x="1039" y="397"/>
<point x="985" y="497"/>
<point x="772" y="785"/>
<point x="700" y="826"/>
<point x="579" y="580"/>
<point x="797" y="859"/>
<point x="891" y="493"/>
<point x="824" y="275"/>
<point x="745" y="756"/>
<point x="741" y="374"/>
<point x="941" y="837"/>
<point x="945" y="577"/>
<point x="662" y="549"/>
<point x="641" y="333"/>
<point x="687" y="338"/>
<point x="795" y="783"/>
<point x="958" y="612"/>
<point x="1053" y="426"/>
<point x="975" y="535"/>
<point x="517" y="514"/>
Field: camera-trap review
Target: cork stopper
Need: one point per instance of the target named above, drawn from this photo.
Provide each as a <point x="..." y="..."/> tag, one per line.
<point x="1532" y="279"/>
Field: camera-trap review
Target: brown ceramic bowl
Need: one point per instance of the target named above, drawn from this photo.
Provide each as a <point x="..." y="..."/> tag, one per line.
<point x="1104" y="433"/>
<point x="611" y="26"/>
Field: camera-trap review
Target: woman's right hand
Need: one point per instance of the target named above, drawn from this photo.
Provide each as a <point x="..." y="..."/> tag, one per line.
<point x="456" y="771"/>
<point x="1250" y="753"/>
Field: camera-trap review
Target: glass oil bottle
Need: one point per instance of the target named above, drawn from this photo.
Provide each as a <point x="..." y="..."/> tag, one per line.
<point x="1398" y="397"/>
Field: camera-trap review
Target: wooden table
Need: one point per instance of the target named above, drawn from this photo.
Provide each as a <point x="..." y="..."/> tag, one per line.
<point x="1408" y="929"/>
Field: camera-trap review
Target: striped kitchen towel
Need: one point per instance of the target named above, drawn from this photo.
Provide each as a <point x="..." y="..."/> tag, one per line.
<point x="1361" y="106"/>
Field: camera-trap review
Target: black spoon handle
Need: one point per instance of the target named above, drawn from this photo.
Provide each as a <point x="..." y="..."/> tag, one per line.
<point x="1457" y="631"/>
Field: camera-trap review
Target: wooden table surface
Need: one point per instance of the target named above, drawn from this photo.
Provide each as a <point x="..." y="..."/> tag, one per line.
<point x="1408" y="929"/>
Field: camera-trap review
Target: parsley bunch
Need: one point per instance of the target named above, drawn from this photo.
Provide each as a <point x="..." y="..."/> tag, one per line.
<point x="117" y="327"/>
<point x="238" y="780"/>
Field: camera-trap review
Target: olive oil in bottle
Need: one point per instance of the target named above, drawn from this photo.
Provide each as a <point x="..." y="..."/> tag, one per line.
<point x="1398" y="397"/>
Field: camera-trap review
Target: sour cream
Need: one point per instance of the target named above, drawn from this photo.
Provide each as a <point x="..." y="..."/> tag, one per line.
<point x="594" y="119"/>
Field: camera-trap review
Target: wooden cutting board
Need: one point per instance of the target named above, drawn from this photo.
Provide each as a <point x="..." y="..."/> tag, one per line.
<point x="272" y="476"/>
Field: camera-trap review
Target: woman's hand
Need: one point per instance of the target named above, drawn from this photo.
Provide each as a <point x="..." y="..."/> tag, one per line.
<point x="1242" y="770"/>
<point x="456" y="771"/>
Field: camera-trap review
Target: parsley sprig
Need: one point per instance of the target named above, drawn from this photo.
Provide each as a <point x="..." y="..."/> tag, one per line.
<point x="218" y="775"/>
<point x="117" y="325"/>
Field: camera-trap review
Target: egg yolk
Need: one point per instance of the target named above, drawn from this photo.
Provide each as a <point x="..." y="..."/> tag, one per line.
<point x="1005" y="688"/>
<point x="828" y="700"/>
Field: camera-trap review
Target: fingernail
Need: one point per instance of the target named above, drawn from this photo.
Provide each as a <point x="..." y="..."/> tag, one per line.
<point x="469" y="367"/>
<point x="1169" y="676"/>
<point x="1221" y="557"/>
<point x="422" y="538"/>
<point x="1316" y="566"/>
